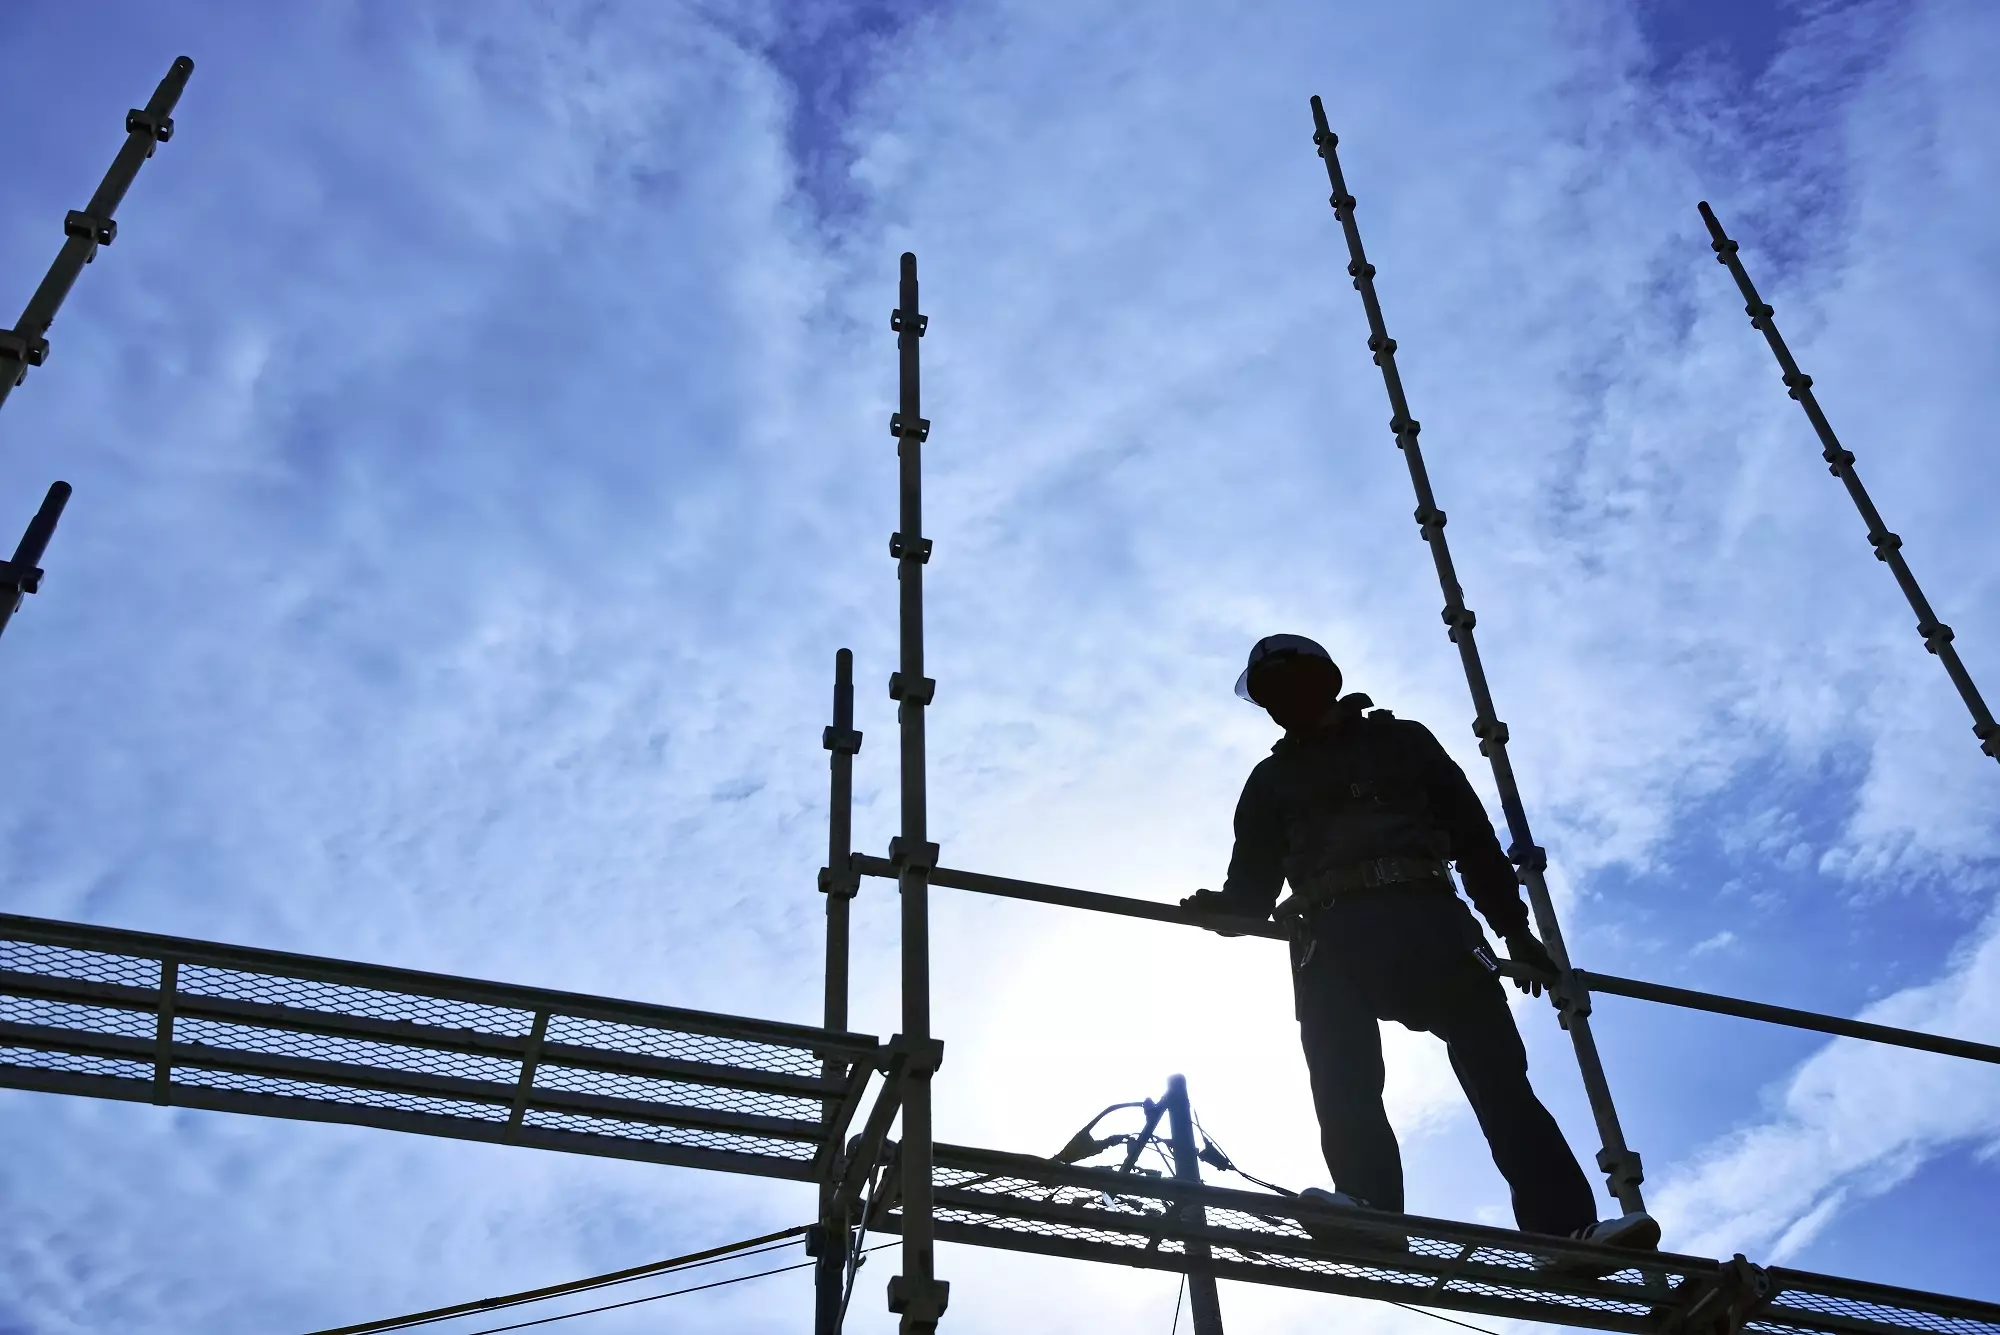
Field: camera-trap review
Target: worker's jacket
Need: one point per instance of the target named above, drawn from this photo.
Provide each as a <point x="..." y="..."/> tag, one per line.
<point x="1360" y="787"/>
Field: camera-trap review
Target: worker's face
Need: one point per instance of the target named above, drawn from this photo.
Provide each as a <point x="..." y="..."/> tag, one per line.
<point x="1295" y="690"/>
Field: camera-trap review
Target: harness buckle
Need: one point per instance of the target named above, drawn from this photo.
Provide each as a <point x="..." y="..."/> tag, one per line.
<point x="1381" y="871"/>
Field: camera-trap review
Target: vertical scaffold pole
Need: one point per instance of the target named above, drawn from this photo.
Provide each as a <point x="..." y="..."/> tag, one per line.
<point x="1203" y="1304"/>
<point x="1888" y="547"/>
<point x="838" y="882"/>
<point x="87" y="228"/>
<point x="23" y="575"/>
<point x="1619" y="1163"/>
<point x="917" y="1295"/>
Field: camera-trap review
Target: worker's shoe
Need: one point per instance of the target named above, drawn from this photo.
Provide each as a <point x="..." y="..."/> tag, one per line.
<point x="1329" y="1234"/>
<point x="1634" y="1232"/>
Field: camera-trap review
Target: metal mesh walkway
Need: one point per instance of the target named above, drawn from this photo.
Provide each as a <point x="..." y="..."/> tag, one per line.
<point x="130" y="1015"/>
<point x="1021" y="1203"/>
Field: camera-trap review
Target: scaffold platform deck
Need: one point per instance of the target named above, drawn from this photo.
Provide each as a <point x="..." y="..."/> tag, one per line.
<point x="159" y="1019"/>
<point x="139" y="1017"/>
<point x="1022" y="1203"/>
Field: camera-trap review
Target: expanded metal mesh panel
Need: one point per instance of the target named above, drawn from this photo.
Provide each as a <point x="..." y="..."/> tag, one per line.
<point x="347" y="999"/>
<point x="90" y="966"/>
<point x="1144" y="1223"/>
<point x="681" y="1046"/>
<point x="69" y="1015"/>
<point x="1472" y="1274"/>
<point x="1026" y="1204"/>
<point x="1792" y="1304"/>
<point x="699" y="1138"/>
<point x="75" y="1063"/>
<point x="620" y="1085"/>
<point x="346" y="1096"/>
<point x="363" y="1052"/>
<point x="349" y="1045"/>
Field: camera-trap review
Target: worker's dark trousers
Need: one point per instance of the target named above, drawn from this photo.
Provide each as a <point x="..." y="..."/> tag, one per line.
<point x="1405" y="954"/>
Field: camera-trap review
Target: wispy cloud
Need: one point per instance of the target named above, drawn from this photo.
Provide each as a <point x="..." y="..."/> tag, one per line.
<point x="479" y="433"/>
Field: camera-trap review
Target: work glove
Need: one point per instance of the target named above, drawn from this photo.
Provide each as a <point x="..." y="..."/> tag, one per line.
<point x="1525" y="950"/>
<point x="1211" y="901"/>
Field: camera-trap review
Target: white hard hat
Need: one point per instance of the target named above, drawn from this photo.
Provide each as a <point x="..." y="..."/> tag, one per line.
<point x="1278" y="646"/>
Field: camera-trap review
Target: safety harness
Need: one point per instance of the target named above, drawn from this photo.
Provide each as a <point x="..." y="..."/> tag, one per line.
<point x="1323" y="888"/>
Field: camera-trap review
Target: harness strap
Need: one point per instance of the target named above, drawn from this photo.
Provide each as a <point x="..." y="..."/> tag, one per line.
<point x="1323" y="888"/>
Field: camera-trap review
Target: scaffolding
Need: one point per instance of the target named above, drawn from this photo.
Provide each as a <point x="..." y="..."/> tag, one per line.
<point x="26" y="345"/>
<point x="105" y="1013"/>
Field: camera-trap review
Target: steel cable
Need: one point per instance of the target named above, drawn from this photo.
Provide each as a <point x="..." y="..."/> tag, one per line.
<point x="750" y="1246"/>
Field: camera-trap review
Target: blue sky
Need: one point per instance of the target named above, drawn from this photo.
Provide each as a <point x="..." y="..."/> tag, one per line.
<point x="479" y="450"/>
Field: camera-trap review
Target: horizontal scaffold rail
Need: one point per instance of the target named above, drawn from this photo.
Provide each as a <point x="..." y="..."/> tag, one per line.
<point x="1021" y="1203"/>
<point x="1610" y="984"/>
<point x="115" y="1014"/>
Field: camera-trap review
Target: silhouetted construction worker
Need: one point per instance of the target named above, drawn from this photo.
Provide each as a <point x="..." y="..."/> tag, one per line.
<point x="1362" y="813"/>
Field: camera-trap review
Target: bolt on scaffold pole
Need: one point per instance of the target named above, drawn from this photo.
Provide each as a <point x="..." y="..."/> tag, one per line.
<point x="1203" y="1304"/>
<point x="1840" y="462"/>
<point x="26" y="344"/>
<point x="838" y="881"/>
<point x="917" y="1295"/>
<point x="1619" y="1163"/>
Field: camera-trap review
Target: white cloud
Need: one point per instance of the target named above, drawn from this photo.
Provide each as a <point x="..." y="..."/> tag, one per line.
<point x="495" y="468"/>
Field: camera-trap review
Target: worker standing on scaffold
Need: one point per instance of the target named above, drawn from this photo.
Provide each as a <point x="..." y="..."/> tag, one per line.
<point x="1362" y="812"/>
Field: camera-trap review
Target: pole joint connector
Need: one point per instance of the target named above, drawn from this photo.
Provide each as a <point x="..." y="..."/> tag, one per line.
<point x="902" y="857"/>
<point x="88" y="226"/>
<point x="918" y="551"/>
<point x="919" y="1300"/>
<point x="1458" y="617"/>
<point x="920" y="431"/>
<point x="920" y="692"/>
<point x="18" y="579"/>
<point x="1429" y="519"/>
<point x="1936" y="634"/>
<point x="1622" y="1169"/>
<point x="921" y="1058"/>
<point x="841" y="741"/>
<point x="1491" y="733"/>
<point x="841" y="885"/>
<point x="18" y="347"/>
<point x="152" y="124"/>
<point x="896" y="322"/>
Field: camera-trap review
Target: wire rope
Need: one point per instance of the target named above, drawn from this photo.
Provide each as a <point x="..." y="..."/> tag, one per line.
<point x="751" y="1246"/>
<point x="1439" y="1316"/>
<point x="655" y="1297"/>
